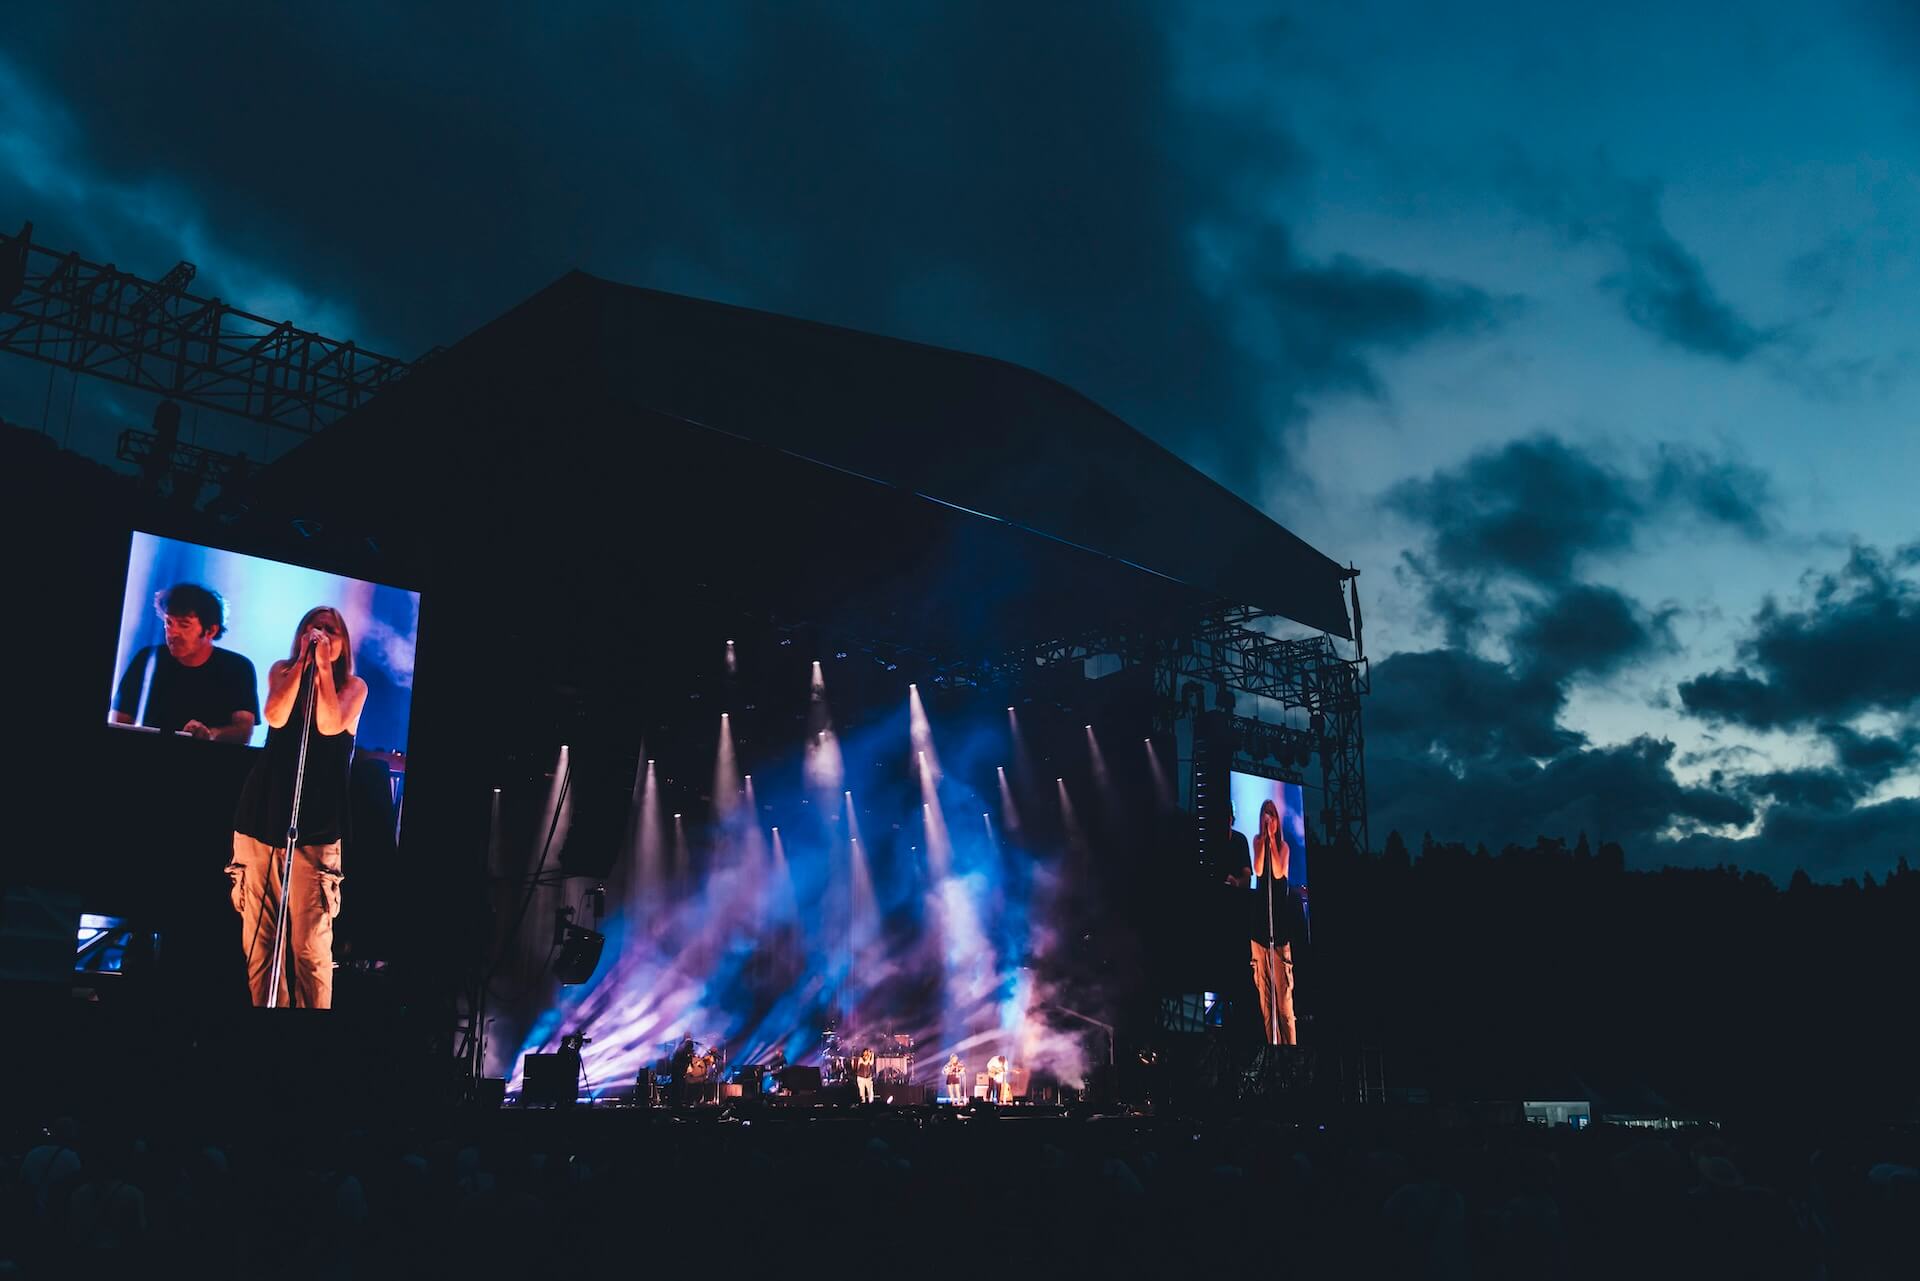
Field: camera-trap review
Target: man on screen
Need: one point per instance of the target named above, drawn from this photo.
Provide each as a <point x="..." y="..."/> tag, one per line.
<point x="188" y="685"/>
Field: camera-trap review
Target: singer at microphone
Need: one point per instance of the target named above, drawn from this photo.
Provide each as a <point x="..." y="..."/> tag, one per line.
<point x="310" y="731"/>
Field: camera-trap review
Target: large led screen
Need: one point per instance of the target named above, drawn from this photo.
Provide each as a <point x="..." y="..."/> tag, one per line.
<point x="200" y="628"/>
<point x="308" y="677"/>
<point x="1269" y="864"/>
<point x="1257" y="800"/>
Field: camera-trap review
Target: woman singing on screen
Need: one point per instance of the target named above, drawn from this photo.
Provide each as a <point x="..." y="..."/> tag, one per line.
<point x="1272" y="948"/>
<point x="318" y="669"/>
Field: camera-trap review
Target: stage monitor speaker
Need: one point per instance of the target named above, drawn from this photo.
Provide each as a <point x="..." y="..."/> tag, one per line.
<point x="579" y="955"/>
<point x="552" y="1078"/>
<point x="795" y="1079"/>
<point x="492" y="1091"/>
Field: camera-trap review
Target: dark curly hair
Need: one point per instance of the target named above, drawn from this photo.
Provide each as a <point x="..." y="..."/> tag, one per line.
<point x="190" y="599"/>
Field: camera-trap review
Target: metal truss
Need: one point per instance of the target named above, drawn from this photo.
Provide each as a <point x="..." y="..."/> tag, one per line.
<point x="1222" y="652"/>
<point x="155" y="336"/>
<point x="205" y="466"/>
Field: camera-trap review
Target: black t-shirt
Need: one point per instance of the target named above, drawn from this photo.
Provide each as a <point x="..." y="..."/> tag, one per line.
<point x="210" y="693"/>
<point x="1239" y="854"/>
<point x="266" y="800"/>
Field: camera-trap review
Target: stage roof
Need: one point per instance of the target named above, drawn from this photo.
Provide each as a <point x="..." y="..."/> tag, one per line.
<point x="588" y="357"/>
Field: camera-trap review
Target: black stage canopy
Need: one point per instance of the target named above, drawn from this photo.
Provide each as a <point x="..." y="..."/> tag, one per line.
<point x="619" y="424"/>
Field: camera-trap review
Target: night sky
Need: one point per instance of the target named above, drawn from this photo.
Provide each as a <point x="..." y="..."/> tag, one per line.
<point x="1587" y="336"/>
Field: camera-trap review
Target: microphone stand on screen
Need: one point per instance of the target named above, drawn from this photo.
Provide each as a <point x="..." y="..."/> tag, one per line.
<point x="293" y="833"/>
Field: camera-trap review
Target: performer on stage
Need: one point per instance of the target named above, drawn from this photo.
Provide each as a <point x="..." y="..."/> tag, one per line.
<point x="1270" y="927"/>
<point x="956" y="1080"/>
<point x="999" y="1088"/>
<point x="863" y="1069"/>
<point x="187" y="685"/>
<point x="319" y="670"/>
<point x="679" y="1067"/>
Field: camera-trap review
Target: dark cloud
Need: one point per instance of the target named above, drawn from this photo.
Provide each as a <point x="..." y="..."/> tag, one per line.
<point x="1468" y="750"/>
<point x="1625" y="793"/>
<point x="1509" y="531"/>
<point x="1531" y="508"/>
<point x="1861" y="762"/>
<point x="1026" y="181"/>
<point x="1535" y="508"/>
<point x="1719" y="491"/>
<point x="1665" y="291"/>
<point x="1329" y="317"/>
<point x="1588" y="629"/>
<point x="1873" y="757"/>
<point x="1846" y="649"/>
<point x="1465" y="708"/>
<point x="1473" y="750"/>
<point x="1661" y="284"/>
<point x="1815" y="788"/>
<point x="1828" y="841"/>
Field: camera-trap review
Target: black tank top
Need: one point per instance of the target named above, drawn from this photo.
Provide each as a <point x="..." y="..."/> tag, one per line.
<point x="266" y="802"/>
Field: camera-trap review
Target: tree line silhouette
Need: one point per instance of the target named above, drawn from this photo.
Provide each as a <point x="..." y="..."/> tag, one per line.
<point x="1555" y="969"/>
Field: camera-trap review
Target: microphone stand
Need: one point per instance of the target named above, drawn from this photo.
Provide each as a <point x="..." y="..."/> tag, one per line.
<point x="307" y="681"/>
<point x="1273" y="972"/>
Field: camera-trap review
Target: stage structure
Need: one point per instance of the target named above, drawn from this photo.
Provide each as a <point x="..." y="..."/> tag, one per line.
<point x="595" y="488"/>
<point x="929" y="514"/>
